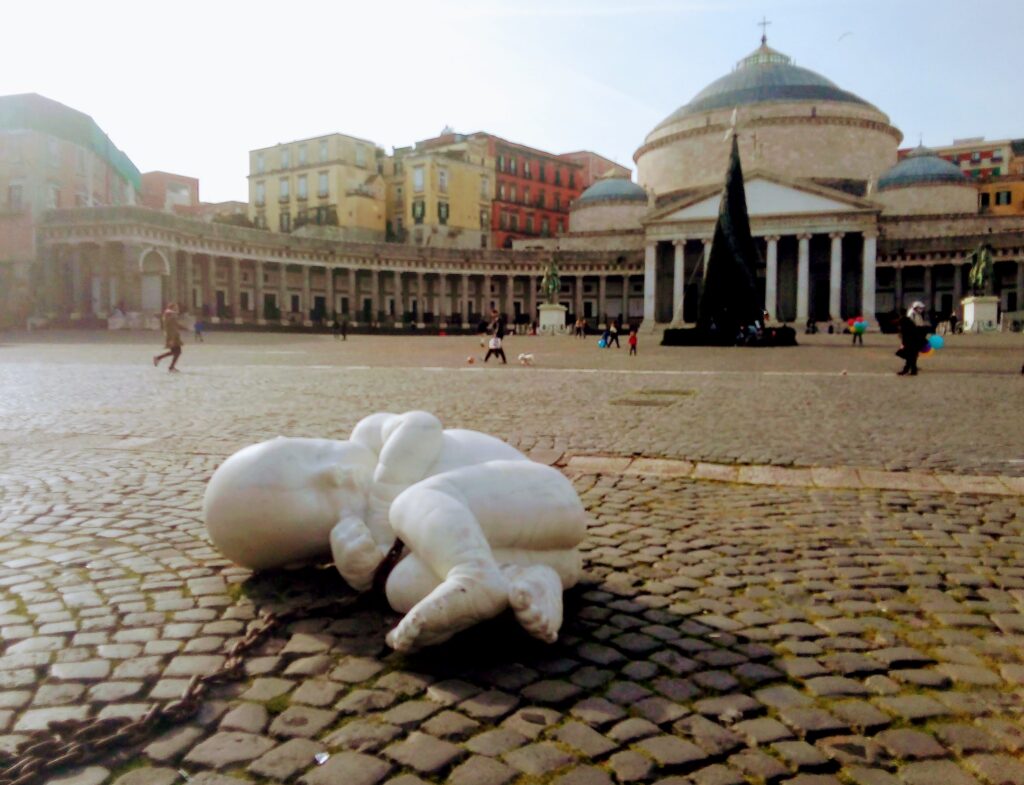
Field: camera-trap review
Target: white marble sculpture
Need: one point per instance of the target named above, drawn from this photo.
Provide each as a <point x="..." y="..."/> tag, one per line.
<point x="484" y="527"/>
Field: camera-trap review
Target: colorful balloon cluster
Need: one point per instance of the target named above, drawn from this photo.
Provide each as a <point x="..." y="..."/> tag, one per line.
<point x="601" y="344"/>
<point x="934" y="343"/>
<point x="858" y="325"/>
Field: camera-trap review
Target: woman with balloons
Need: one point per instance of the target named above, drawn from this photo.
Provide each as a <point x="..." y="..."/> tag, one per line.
<point x="858" y="327"/>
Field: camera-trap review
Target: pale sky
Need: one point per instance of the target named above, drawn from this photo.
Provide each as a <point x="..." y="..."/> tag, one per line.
<point x="190" y="87"/>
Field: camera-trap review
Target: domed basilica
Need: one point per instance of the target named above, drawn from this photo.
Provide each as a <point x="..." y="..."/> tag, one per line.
<point x="844" y="228"/>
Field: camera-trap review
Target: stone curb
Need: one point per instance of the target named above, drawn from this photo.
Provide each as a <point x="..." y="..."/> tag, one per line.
<point x="833" y="478"/>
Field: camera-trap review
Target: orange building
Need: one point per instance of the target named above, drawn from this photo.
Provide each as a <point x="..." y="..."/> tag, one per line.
<point x="169" y="192"/>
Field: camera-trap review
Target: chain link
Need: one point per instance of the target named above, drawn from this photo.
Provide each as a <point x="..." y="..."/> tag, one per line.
<point x="65" y="743"/>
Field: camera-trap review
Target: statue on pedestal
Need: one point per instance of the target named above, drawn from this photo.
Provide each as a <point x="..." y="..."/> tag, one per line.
<point x="455" y="525"/>
<point x="551" y="284"/>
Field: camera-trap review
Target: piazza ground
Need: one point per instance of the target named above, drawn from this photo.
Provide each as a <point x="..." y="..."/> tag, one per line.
<point x="800" y="567"/>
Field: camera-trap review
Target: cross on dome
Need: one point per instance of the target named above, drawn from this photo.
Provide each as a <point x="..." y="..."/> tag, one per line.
<point x="763" y="24"/>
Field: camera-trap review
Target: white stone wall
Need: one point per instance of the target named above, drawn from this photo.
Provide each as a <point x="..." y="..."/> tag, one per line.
<point x="841" y="141"/>
<point x="937" y="199"/>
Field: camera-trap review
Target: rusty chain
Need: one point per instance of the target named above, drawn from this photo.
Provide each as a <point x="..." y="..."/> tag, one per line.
<point x="65" y="743"/>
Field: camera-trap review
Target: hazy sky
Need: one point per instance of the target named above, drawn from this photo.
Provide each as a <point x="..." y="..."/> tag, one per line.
<point x="190" y="87"/>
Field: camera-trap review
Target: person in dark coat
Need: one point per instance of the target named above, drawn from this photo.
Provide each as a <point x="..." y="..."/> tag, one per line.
<point x="913" y="332"/>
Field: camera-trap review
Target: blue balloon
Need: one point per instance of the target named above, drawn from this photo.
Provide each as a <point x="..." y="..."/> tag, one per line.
<point x="601" y="344"/>
<point x="936" y="341"/>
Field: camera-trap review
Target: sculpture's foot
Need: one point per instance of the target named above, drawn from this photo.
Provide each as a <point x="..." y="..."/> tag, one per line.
<point x="535" y="594"/>
<point x="355" y="553"/>
<point x="470" y="594"/>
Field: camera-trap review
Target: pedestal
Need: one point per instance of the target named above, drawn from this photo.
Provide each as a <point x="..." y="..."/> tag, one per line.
<point x="981" y="314"/>
<point x="552" y="318"/>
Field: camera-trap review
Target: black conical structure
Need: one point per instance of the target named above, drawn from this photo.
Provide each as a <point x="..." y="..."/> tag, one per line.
<point x="728" y="299"/>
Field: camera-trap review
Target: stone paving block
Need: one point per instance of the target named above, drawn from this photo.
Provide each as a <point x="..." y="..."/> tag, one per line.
<point x="361" y="735"/>
<point x="173" y="743"/>
<point x="425" y="753"/>
<point x="759" y="765"/>
<point x="931" y="772"/>
<point x="585" y="739"/>
<point x="997" y="769"/>
<point x="630" y="766"/>
<point x="149" y="775"/>
<point x="972" y="484"/>
<point x="286" y="760"/>
<point x="713" y="738"/>
<point x="495" y="742"/>
<point x="267" y="689"/>
<point x="912" y="707"/>
<point x="852" y="751"/>
<point x="584" y="775"/>
<point x="351" y="768"/>
<point x="861" y="715"/>
<point x="900" y="481"/>
<point x="800" y="755"/>
<point x="811" y="723"/>
<point x="489" y="705"/>
<point x="672" y="751"/>
<point x="597" y="711"/>
<point x="863" y="775"/>
<point x="775" y="475"/>
<point x="762" y="730"/>
<point x="450" y="724"/>
<point x="717" y="472"/>
<point x="227" y="748"/>
<point x="301" y="721"/>
<point x="907" y="744"/>
<point x="596" y="464"/>
<point x="660" y="467"/>
<point x="480" y="770"/>
<point x="86" y="775"/>
<point x="38" y="719"/>
<point x="538" y="759"/>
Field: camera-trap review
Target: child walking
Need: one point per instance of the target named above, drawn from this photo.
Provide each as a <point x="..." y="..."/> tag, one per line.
<point x="172" y="338"/>
<point x="632" y="342"/>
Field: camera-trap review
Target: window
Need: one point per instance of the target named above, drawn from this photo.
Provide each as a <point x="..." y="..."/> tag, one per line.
<point x="321" y="185"/>
<point x="540" y="199"/>
<point x="260" y="163"/>
<point x="975" y="157"/>
<point x="545" y="227"/>
<point x="512" y="164"/>
<point x="283" y="191"/>
<point x="261" y="221"/>
<point x="541" y="173"/>
<point x="418" y="210"/>
<point x="261" y="194"/>
<point x="513" y="193"/>
<point x="417" y="179"/>
<point x="302" y="155"/>
<point x="398" y="194"/>
<point x="526" y="196"/>
<point x="484" y="219"/>
<point x="572" y="179"/>
<point x="442" y="213"/>
<point x="558" y="176"/>
<point x="360" y="155"/>
<point x="501" y="163"/>
<point x="485" y="186"/>
<point x="285" y="221"/>
<point x="529" y="224"/>
<point x="526" y="169"/>
<point x="997" y="156"/>
<point x="501" y="191"/>
<point x="303" y="190"/>
<point x="515" y="222"/>
<point x="558" y="201"/>
<point x="1002" y="197"/>
<point x="504" y="220"/>
<point x="984" y="199"/>
<point x="561" y="226"/>
<point x="323" y="149"/>
<point x="286" y="158"/>
<point x="442" y="180"/>
<point x="14" y="197"/>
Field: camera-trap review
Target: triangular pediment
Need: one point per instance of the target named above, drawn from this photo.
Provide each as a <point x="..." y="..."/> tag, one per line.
<point x="766" y="197"/>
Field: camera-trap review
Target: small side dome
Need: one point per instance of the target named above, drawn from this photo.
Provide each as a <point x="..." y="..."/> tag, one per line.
<point x="613" y="189"/>
<point x="921" y="166"/>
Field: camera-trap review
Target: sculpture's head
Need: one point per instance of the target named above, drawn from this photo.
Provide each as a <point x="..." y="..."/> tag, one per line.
<point x="275" y="503"/>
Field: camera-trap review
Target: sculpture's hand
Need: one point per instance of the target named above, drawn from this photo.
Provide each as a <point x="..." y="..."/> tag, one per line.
<point x="355" y="553"/>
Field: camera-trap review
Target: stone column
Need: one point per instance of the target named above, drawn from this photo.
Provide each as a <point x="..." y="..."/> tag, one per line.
<point x="103" y="271"/>
<point x="958" y="287"/>
<point x="650" y="273"/>
<point x="421" y="301"/>
<point x="210" y="288"/>
<point x="284" y="307"/>
<point x="132" y="278"/>
<point x="375" y="303"/>
<point x="533" y="283"/>
<point x="307" y="300"/>
<point x="510" y="298"/>
<point x="235" y="290"/>
<point x="771" y="281"/>
<point x="678" y="279"/>
<point x="52" y="304"/>
<point x="602" y="304"/>
<point x="577" y="295"/>
<point x="898" y="286"/>
<point x="867" y="297"/>
<point x="835" y="276"/>
<point x="329" y="294"/>
<point x="401" y="301"/>
<point x="929" y="294"/>
<point x="257" y="293"/>
<point x="803" y="277"/>
<point x="465" y="300"/>
<point x="485" y="297"/>
<point x="354" y="305"/>
<point x="190" y="284"/>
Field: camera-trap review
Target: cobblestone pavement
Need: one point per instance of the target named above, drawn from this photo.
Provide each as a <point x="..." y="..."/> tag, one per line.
<point x="734" y="626"/>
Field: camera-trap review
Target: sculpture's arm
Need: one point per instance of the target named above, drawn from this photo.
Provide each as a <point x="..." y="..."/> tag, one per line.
<point x="356" y="554"/>
<point x="410" y="444"/>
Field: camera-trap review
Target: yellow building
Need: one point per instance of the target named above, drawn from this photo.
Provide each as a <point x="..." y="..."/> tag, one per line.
<point x="439" y="193"/>
<point x="1002" y="195"/>
<point x="328" y="185"/>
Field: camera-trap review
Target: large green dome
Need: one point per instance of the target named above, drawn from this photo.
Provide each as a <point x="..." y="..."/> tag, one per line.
<point x="613" y="189"/>
<point x="764" y="75"/>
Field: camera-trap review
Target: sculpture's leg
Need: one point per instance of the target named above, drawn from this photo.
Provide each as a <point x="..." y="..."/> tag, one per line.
<point x="355" y="553"/>
<point x="535" y="594"/>
<point x="440" y="529"/>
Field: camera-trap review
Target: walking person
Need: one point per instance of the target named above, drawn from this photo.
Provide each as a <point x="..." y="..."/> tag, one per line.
<point x="632" y="342"/>
<point x="913" y="332"/>
<point x="613" y="334"/>
<point x="172" y="338"/>
<point x="494" y="347"/>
